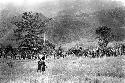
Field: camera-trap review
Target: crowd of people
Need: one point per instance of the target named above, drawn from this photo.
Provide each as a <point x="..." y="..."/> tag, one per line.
<point x="98" y="52"/>
<point x="15" y="53"/>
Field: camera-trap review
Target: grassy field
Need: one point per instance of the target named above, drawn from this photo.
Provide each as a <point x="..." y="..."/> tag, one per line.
<point x="67" y="70"/>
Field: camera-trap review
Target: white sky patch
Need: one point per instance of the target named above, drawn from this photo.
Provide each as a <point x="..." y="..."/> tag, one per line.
<point x="33" y="2"/>
<point x="23" y="2"/>
<point x="123" y="1"/>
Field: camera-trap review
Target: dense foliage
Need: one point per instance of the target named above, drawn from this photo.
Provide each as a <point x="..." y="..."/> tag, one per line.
<point x="104" y="36"/>
<point x="29" y="32"/>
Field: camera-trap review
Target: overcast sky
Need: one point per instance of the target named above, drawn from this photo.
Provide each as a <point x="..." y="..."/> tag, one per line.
<point x="26" y="3"/>
<point x="35" y="2"/>
<point x="47" y="7"/>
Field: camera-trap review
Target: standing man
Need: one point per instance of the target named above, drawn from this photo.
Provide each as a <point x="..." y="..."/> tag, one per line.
<point x="39" y="62"/>
<point x="41" y="65"/>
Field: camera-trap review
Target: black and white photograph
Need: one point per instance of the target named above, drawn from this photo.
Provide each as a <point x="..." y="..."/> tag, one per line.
<point x="62" y="41"/>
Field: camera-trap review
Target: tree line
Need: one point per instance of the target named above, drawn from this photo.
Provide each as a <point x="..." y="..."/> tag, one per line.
<point x="29" y="35"/>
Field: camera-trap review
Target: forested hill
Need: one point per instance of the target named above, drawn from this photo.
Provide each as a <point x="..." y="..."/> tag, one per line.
<point x="63" y="28"/>
<point x="68" y="26"/>
<point x="7" y="33"/>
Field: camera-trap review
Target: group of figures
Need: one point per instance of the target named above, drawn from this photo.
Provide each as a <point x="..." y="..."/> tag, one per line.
<point x="15" y="53"/>
<point x="93" y="53"/>
<point x="98" y="52"/>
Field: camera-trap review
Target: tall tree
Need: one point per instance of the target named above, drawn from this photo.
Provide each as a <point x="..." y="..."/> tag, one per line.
<point x="30" y="27"/>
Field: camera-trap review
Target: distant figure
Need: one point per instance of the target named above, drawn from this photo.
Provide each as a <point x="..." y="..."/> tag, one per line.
<point x="10" y="64"/>
<point x="59" y="52"/>
<point x="41" y="65"/>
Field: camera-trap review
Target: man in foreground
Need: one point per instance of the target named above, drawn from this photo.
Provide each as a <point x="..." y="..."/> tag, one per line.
<point x="41" y="65"/>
